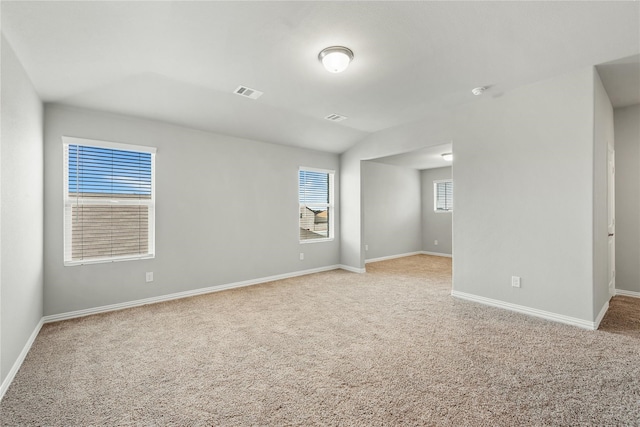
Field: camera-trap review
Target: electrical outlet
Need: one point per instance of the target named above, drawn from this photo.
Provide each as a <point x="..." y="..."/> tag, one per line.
<point x="301" y="256"/>
<point x="149" y="276"/>
<point x="366" y="247"/>
<point x="515" y="281"/>
<point x="435" y="242"/>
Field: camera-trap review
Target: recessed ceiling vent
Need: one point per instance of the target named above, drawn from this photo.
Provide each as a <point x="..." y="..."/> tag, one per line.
<point x="335" y="117"/>
<point x="247" y="92"/>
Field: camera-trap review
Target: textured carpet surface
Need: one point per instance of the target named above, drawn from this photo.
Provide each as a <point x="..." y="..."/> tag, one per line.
<point x="389" y="347"/>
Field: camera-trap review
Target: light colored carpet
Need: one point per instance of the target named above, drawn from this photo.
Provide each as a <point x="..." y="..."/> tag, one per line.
<point x="389" y="347"/>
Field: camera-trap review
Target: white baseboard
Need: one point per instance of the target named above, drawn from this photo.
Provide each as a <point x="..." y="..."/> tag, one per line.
<point x="178" y="295"/>
<point x="352" y="269"/>
<point x="384" y="258"/>
<point x="436" y="254"/>
<point x="627" y="293"/>
<point x="574" y="321"/>
<point x="16" y="366"/>
<point x="603" y="311"/>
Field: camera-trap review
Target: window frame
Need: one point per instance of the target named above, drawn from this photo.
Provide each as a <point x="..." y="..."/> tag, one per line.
<point x="435" y="195"/>
<point x="68" y="202"/>
<point x="330" y="206"/>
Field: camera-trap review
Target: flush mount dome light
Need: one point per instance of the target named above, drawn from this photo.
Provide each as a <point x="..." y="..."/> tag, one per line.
<point x="447" y="156"/>
<point x="336" y="59"/>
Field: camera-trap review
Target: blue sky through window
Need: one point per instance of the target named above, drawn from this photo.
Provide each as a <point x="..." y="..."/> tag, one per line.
<point x="108" y="171"/>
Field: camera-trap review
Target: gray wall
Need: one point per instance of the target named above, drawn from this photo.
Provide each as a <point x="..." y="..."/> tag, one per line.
<point x="21" y="211"/>
<point x="510" y="150"/>
<point x="627" y="145"/>
<point x="398" y="213"/>
<point x="226" y="211"/>
<point x="433" y="130"/>
<point x="391" y="209"/>
<point x="524" y="196"/>
<point x="602" y="138"/>
<point x="435" y="226"/>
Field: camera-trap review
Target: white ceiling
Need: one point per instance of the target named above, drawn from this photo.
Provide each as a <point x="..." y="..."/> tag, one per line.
<point x="621" y="79"/>
<point x="425" y="158"/>
<point x="180" y="61"/>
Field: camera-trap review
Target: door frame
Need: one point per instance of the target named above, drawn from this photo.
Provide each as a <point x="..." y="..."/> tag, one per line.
<point x="611" y="216"/>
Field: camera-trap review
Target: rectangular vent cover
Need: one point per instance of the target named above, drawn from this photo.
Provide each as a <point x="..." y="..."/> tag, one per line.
<point x="335" y="117"/>
<point x="247" y="92"/>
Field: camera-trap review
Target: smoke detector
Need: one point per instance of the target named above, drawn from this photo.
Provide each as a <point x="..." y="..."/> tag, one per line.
<point x="478" y="90"/>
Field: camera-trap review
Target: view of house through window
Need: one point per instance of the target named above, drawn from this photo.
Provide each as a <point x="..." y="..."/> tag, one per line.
<point x="315" y="193"/>
<point x="108" y="201"/>
<point x="443" y="195"/>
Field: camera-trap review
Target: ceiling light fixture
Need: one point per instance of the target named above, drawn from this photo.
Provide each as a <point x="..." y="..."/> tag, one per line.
<point x="448" y="156"/>
<point x="478" y="90"/>
<point x="335" y="59"/>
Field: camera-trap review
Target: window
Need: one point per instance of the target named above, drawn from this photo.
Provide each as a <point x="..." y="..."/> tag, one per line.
<point x="443" y="195"/>
<point x="109" y="201"/>
<point x="315" y="193"/>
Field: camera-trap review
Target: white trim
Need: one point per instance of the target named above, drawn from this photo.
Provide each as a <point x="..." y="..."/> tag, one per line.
<point x="178" y="295"/>
<point x="23" y="354"/>
<point x="107" y="260"/>
<point x="352" y="269"/>
<point x="384" y="258"/>
<point x="72" y="140"/>
<point x="625" y="293"/>
<point x="319" y="170"/>
<point x="436" y="254"/>
<point x="152" y="215"/>
<point x="574" y="321"/>
<point x="603" y="311"/>
<point x="325" y="239"/>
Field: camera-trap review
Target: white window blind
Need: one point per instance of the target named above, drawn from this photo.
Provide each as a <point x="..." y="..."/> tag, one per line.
<point x="109" y="201"/>
<point x="315" y="190"/>
<point x="443" y="195"/>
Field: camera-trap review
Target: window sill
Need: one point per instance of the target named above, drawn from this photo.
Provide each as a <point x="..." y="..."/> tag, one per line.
<point x="304" y="242"/>
<point x="106" y="260"/>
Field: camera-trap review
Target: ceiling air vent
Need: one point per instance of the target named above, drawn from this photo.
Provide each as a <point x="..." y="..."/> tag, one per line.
<point x="335" y="117"/>
<point x="247" y="92"/>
